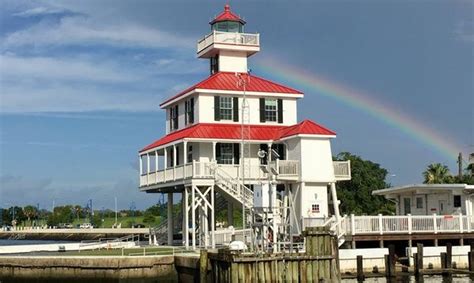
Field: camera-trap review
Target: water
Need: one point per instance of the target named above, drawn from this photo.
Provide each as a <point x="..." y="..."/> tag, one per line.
<point x="31" y="242"/>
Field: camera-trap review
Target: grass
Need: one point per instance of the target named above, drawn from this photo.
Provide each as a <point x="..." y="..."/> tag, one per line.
<point x="118" y="252"/>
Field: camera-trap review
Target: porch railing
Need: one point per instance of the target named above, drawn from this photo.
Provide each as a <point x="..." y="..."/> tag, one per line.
<point x="251" y="39"/>
<point x="286" y="168"/>
<point x="342" y="170"/>
<point x="408" y="224"/>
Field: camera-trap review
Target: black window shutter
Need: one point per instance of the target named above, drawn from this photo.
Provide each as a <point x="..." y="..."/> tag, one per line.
<point x="236" y="153"/>
<point x="235" y="107"/>
<point x="191" y="115"/>
<point x="218" y="152"/>
<point x="177" y="117"/>
<point x="217" y="110"/>
<point x="170" y="112"/>
<point x="262" y="110"/>
<point x="280" y="111"/>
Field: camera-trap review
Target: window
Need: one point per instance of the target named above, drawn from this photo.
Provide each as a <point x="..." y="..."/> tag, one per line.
<point x="189" y="111"/>
<point x="407" y="205"/>
<point x="225" y="106"/>
<point x="214" y="64"/>
<point x="225" y="154"/>
<point x="174" y="118"/>
<point x="315" y="208"/>
<point x="457" y="201"/>
<point x="419" y="202"/>
<point x="271" y="110"/>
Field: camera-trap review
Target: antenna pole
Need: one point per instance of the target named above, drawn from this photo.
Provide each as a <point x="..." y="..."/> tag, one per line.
<point x="460" y="165"/>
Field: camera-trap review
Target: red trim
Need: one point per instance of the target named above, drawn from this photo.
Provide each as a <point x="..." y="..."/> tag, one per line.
<point x="228" y="81"/>
<point x="233" y="132"/>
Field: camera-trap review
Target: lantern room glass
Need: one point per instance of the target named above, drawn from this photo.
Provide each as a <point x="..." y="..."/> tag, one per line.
<point x="228" y="26"/>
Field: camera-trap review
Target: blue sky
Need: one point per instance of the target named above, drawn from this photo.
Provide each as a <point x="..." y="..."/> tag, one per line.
<point x="81" y="82"/>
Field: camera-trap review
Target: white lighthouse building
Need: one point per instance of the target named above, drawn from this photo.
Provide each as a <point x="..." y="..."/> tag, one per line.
<point x="233" y="141"/>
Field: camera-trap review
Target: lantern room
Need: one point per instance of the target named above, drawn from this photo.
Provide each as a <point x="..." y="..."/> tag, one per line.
<point x="227" y="22"/>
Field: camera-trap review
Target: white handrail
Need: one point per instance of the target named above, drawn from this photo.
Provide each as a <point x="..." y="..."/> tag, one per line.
<point x="410" y="224"/>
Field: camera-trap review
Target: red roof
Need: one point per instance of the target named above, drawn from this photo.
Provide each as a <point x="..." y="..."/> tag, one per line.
<point x="307" y="127"/>
<point x="233" y="132"/>
<point x="227" y="15"/>
<point x="229" y="81"/>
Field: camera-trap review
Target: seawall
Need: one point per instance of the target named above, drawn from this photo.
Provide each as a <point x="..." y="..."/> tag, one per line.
<point x="105" y="267"/>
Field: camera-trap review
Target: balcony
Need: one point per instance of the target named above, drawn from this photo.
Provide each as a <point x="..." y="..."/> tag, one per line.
<point x="249" y="42"/>
<point x="342" y="170"/>
<point x="286" y="169"/>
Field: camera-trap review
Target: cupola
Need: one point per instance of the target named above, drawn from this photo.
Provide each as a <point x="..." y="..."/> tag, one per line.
<point x="227" y="21"/>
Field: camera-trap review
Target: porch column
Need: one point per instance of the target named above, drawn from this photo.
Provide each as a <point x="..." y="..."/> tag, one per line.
<point x="174" y="162"/>
<point x="335" y="204"/>
<point x="148" y="168"/>
<point x="140" y="161"/>
<point x="156" y="166"/>
<point x="214" y="151"/>
<point x="165" y="159"/>
<point x="185" y="217"/>
<point x="185" y="152"/>
<point x="170" y="219"/>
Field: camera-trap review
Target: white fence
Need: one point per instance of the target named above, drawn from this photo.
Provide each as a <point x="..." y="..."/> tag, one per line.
<point x="408" y="224"/>
<point x="225" y="236"/>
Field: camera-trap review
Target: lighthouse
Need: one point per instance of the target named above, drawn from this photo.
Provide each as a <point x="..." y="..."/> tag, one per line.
<point x="233" y="142"/>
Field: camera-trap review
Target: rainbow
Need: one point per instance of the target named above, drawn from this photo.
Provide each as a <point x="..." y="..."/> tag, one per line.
<point x="363" y="102"/>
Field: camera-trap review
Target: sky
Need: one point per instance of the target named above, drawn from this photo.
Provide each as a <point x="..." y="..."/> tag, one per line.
<point x="81" y="83"/>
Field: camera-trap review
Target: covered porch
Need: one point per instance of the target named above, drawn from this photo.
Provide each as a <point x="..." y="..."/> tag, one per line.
<point x="197" y="159"/>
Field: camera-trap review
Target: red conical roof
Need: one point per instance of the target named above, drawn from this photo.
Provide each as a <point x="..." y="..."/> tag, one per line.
<point x="227" y="15"/>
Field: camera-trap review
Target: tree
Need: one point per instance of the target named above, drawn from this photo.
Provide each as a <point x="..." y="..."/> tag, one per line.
<point x="356" y="195"/>
<point x="30" y="212"/>
<point x="437" y="173"/>
<point x="148" y="218"/>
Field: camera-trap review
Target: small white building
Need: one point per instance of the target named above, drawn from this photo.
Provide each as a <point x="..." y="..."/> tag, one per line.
<point x="222" y="132"/>
<point x="428" y="199"/>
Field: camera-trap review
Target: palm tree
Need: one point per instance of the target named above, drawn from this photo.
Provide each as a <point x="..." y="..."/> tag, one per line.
<point x="437" y="173"/>
<point x="30" y="212"/>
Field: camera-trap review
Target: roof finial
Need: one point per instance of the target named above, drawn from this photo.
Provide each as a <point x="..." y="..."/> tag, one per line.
<point x="227" y="7"/>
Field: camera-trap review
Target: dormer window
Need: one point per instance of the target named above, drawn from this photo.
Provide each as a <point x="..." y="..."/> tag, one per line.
<point x="189" y="111"/>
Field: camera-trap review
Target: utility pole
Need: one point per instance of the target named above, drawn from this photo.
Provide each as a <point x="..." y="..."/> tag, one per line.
<point x="460" y="165"/>
<point x="242" y="82"/>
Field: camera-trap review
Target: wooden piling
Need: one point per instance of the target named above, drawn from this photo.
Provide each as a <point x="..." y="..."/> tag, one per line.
<point x="203" y="259"/>
<point x="360" y="269"/>
<point x="391" y="260"/>
<point x="443" y="260"/>
<point x="419" y="251"/>
<point x="449" y="255"/>
<point x="471" y="258"/>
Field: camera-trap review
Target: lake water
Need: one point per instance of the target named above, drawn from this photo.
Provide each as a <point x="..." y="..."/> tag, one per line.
<point x="30" y="242"/>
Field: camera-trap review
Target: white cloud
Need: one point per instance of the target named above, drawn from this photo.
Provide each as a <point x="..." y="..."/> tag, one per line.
<point x="85" y="31"/>
<point x="41" y="11"/>
<point x="62" y="69"/>
<point x="32" y="97"/>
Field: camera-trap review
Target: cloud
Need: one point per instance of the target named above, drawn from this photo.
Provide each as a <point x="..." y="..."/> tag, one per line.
<point x="84" y="31"/>
<point x="21" y="191"/>
<point x="76" y="69"/>
<point x="43" y="11"/>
